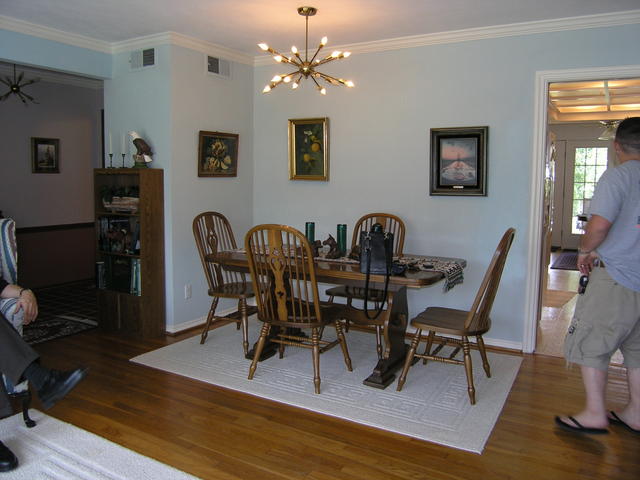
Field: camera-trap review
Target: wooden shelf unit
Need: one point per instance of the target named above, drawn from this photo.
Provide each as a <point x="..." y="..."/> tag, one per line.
<point x="120" y="308"/>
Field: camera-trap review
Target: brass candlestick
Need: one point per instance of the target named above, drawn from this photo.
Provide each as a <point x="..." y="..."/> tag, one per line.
<point x="111" y="160"/>
<point x="123" y="155"/>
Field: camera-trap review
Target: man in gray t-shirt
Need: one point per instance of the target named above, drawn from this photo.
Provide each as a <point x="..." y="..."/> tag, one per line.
<point x="607" y="315"/>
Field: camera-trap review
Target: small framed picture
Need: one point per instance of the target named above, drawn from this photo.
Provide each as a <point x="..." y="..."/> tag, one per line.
<point x="459" y="161"/>
<point x="217" y="154"/>
<point x="309" y="149"/>
<point x="45" y="155"/>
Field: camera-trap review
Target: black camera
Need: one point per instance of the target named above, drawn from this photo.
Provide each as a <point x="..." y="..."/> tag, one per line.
<point x="584" y="280"/>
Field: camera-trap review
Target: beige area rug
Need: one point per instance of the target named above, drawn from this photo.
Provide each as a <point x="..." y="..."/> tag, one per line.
<point x="557" y="298"/>
<point x="55" y="450"/>
<point x="432" y="406"/>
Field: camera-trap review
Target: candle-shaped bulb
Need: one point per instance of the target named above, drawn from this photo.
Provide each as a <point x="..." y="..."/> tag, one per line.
<point x="346" y="54"/>
<point x="266" y="89"/>
<point x="349" y="83"/>
<point x="294" y="50"/>
<point x="324" y="40"/>
<point x="263" y="46"/>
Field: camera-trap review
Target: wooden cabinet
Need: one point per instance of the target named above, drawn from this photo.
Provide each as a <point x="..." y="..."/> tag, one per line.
<point x="129" y="216"/>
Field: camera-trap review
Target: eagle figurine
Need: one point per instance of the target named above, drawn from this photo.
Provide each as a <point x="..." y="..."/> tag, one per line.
<point x="143" y="148"/>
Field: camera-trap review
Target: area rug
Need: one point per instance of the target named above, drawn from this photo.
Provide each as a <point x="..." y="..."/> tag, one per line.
<point x="55" y="450"/>
<point x="41" y="330"/>
<point x="566" y="261"/>
<point x="433" y="405"/>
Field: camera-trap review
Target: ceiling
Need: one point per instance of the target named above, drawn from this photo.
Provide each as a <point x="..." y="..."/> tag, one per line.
<point x="613" y="99"/>
<point x="240" y="25"/>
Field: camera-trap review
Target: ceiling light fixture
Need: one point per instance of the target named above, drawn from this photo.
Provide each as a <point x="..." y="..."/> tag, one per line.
<point x="305" y="68"/>
<point x="16" y="85"/>
<point x="609" y="132"/>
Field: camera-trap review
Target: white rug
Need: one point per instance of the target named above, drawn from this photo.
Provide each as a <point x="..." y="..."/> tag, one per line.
<point x="433" y="404"/>
<point x="55" y="450"/>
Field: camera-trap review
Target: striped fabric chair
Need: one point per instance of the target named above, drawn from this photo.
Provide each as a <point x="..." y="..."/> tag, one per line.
<point x="9" y="271"/>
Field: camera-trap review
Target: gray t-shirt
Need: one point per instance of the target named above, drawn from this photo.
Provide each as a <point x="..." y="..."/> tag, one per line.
<point x="617" y="198"/>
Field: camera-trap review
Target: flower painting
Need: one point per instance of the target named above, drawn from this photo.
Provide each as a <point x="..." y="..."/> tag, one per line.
<point x="218" y="154"/>
<point x="308" y="149"/>
<point x="459" y="161"/>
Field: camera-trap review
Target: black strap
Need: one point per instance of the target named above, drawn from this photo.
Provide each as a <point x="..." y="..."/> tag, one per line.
<point x="366" y="289"/>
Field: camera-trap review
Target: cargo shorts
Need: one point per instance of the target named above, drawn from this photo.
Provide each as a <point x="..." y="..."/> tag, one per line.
<point x="607" y="317"/>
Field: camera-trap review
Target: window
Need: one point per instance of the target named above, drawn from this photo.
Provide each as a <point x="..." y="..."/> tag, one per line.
<point x="590" y="163"/>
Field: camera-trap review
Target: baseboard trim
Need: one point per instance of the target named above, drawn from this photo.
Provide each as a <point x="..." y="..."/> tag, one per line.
<point x="176" y="329"/>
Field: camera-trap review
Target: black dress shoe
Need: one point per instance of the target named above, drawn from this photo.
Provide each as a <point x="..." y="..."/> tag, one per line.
<point x="8" y="461"/>
<point x="58" y="384"/>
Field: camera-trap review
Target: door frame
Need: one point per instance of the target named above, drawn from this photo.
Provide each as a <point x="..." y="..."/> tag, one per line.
<point x="534" y="249"/>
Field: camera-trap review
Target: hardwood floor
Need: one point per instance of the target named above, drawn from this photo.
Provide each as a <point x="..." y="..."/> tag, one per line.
<point x="215" y="433"/>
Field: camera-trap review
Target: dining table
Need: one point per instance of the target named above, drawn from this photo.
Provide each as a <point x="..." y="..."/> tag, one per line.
<point x="393" y="319"/>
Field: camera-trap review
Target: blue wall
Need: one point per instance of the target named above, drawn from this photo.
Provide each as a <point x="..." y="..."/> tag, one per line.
<point x="379" y="148"/>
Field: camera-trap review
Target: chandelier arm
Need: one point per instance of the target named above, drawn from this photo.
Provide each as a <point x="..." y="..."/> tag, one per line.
<point x="299" y="58"/>
<point x="6" y="81"/>
<point x="28" y="96"/>
<point x="21" y="97"/>
<point x="329" y="78"/>
<point x="316" y="82"/>
<point x="29" y="82"/>
<point x="5" y="96"/>
<point x="327" y="60"/>
<point x="316" y="54"/>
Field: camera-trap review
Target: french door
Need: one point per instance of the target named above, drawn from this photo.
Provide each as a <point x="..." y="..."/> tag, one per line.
<point x="585" y="162"/>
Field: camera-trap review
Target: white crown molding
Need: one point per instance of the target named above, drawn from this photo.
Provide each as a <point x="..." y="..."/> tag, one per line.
<point x="173" y="38"/>
<point x="53" y="77"/>
<point x="20" y="26"/>
<point x="514" y="29"/>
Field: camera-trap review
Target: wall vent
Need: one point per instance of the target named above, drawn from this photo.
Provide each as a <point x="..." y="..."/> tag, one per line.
<point x="218" y="66"/>
<point x="142" y="58"/>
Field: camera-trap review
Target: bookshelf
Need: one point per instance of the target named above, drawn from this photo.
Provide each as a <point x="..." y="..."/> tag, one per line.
<point x="129" y="225"/>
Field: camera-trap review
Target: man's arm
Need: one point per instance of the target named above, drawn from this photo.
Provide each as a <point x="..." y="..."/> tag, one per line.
<point x="595" y="233"/>
<point x="26" y="301"/>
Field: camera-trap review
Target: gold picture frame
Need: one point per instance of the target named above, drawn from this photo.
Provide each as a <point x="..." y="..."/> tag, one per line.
<point x="309" y="149"/>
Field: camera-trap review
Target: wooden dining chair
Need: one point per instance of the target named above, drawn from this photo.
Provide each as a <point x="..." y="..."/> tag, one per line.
<point x="390" y="223"/>
<point x="284" y="279"/>
<point x="213" y="233"/>
<point x="438" y="321"/>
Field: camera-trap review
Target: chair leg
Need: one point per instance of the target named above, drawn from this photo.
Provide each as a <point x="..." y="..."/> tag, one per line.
<point x="264" y="332"/>
<point x="210" y="317"/>
<point x="244" y="321"/>
<point x="466" y="349"/>
<point x="379" y="341"/>
<point x="343" y="345"/>
<point x="409" y="359"/>
<point x="427" y="348"/>
<point x="26" y="403"/>
<point x="483" y="354"/>
<point x="315" y="342"/>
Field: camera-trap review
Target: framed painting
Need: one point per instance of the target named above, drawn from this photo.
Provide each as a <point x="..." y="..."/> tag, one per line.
<point x="459" y="161"/>
<point x="217" y="154"/>
<point x="45" y="155"/>
<point x="309" y="149"/>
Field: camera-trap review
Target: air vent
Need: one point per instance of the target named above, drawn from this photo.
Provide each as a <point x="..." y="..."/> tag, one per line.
<point x="218" y="66"/>
<point x="143" y="58"/>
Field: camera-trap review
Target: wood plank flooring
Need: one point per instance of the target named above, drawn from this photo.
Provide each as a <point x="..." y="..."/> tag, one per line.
<point x="214" y="433"/>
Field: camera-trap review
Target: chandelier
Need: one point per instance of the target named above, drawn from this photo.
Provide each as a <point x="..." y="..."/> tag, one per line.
<point x="305" y="68"/>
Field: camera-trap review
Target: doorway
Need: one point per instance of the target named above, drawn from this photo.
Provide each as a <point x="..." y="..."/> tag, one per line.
<point x="538" y="268"/>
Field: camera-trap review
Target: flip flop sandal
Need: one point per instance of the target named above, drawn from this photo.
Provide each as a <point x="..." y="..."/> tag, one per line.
<point x="616" y="420"/>
<point x="578" y="428"/>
